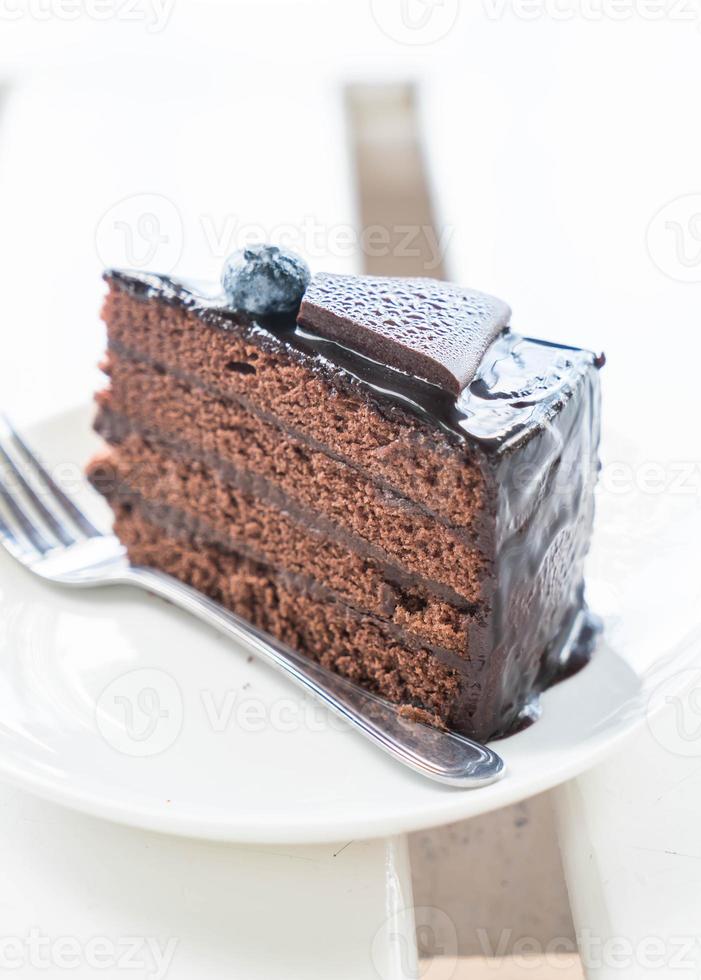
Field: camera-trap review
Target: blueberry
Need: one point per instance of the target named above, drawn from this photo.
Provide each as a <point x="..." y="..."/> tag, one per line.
<point x="265" y="279"/>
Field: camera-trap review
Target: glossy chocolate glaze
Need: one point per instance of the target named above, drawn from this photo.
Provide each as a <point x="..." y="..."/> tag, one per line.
<point x="531" y="418"/>
<point x="427" y="328"/>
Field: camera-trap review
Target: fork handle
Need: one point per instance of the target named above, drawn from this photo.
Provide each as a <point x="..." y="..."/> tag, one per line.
<point x="442" y="756"/>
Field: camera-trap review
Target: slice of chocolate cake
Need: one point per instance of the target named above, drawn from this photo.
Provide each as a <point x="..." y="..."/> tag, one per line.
<point x="392" y="481"/>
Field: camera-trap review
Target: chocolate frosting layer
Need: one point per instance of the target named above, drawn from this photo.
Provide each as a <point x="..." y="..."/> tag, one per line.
<point x="519" y="386"/>
<point x="430" y="329"/>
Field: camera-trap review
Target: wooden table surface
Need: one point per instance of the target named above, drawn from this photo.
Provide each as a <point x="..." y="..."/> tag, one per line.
<point x="508" y="968"/>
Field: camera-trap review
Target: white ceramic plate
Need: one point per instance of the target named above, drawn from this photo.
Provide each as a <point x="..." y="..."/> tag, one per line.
<point x="118" y="705"/>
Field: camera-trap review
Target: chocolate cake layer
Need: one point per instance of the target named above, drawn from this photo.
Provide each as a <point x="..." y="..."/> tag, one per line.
<point x="223" y="516"/>
<point x="334" y="635"/>
<point x="460" y="523"/>
<point x="250" y="454"/>
<point x="209" y="420"/>
<point x="397" y="448"/>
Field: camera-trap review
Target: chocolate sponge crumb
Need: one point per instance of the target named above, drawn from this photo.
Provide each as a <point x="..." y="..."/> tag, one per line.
<point x="334" y="635"/>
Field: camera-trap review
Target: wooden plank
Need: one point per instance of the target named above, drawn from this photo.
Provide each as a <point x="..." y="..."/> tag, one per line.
<point x="504" y="968"/>
<point x="398" y="228"/>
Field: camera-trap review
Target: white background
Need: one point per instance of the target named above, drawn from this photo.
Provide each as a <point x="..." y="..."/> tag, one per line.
<point x="555" y="132"/>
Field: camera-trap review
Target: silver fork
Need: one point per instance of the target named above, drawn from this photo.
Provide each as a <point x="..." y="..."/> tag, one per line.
<point x="45" y="530"/>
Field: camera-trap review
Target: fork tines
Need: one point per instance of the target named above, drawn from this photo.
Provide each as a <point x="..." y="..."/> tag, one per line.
<point x="35" y="514"/>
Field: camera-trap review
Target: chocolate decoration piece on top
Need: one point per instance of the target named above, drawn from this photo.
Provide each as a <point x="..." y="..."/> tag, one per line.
<point x="433" y="330"/>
